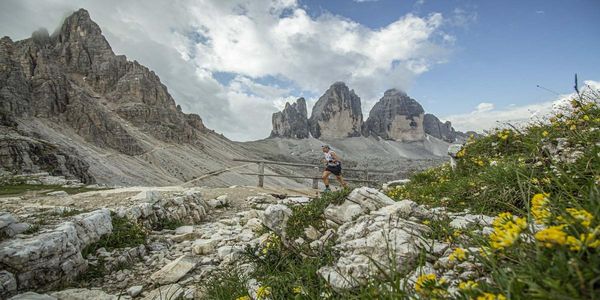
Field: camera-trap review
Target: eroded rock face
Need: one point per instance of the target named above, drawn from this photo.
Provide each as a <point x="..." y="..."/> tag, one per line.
<point x="396" y="116"/>
<point x="292" y="121"/>
<point x="54" y="256"/>
<point x="74" y="79"/>
<point x="384" y="237"/>
<point x="337" y="114"/>
<point x="434" y="127"/>
<point x="21" y="153"/>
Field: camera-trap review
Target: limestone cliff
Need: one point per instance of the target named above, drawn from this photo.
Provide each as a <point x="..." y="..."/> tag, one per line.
<point x="337" y="114"/>
<point x="396" y="116"/>
<point x="292" y="122"/>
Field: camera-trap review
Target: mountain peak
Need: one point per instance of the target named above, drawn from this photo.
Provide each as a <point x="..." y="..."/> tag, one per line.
<point x="78" y="25"/>
<point x="394" y="92"/>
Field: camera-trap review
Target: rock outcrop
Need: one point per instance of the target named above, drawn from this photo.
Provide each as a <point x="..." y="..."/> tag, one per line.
<point x="74" y="77"/>
<point x="396" y="116"/>
<point x="337" y="114"/>
<point x="292" y="122"/>
<point x="434" y="127"/>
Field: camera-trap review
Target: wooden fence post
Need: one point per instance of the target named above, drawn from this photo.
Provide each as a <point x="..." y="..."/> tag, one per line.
<point x="261" y="171"/>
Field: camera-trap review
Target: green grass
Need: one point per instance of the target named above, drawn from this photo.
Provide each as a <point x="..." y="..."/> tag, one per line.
<point x="312" y="213"/>
<point x="170" y="224"/>
<point x="124" y="234"/>
<point x="22" y="188"/>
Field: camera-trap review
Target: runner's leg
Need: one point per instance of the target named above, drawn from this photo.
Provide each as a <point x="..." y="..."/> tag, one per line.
<point x="340" y="179"/>
<point x="326" y="177"/>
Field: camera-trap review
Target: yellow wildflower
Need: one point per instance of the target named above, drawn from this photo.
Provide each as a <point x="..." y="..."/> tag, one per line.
<point x="423" y="281"/>
<point x="426" y="222"/>
<point x="459" y="254"/>
<point x="586" y="240"/>
<point x="263" y="292"/>
<point x="586" y="118"/>
<point x="297" y="290"/>
<point x="573" y="127"/>
<point x="545" y="133"/>
<point x="506" y="230"/>
<point x="581" y="215"/>
<point x="243" y="298"/>
<point x="428" y="285"/>
<point x="489" y="296"/>
<point x="551" y="236"/>
<point x="534" y="180"/>
<point x="539" y="208"/>
<point x="469" y="285"/>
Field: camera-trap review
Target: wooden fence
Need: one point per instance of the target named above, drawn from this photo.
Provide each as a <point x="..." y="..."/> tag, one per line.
<point x="315" y="179"/>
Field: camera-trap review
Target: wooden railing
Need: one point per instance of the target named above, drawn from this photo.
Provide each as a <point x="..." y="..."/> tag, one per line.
<point x="315" y="179"/>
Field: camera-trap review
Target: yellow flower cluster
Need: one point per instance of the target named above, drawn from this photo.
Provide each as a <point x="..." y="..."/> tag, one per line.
<point x="263" y="292"/>
<point x="504" y="134"/>
<point x="489" y="296"/>
<point x="540" y="208"/>
<point x="459" y="254"/>
<point x="556" y="235"/>
<point x="298" y="290"/>
<point x="580" y="215"/>
<point x="551" y="236"/>
<point x="428" y="285"/>
<point x="468" y="285"/>
<point x="478" y="161"/>
<point x="271" y="242"/>
<point x="506" y="230"/>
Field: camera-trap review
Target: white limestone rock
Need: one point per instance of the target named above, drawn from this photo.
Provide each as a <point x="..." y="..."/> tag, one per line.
<point x="382" y="236"/>
<point x="83" y="294"/>
<point x="275" y="218"/>
<point x="166" y="292"/>
<point x="32" y="296"/>
<point x="175" y="270"/>
<point x="135" y="290"/>
<point x="92" y="226"/>
<point x="204" y="246"/>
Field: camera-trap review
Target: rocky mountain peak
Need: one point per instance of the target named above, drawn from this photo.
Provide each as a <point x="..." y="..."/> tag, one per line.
<point x="396" y="116"/>
<point x="394" y="92"/>
<point x="337" y="114"/>
<point x="292" y="121"/>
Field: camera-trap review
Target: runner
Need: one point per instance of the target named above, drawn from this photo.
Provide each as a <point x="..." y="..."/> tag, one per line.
<point x="333" y="165"/>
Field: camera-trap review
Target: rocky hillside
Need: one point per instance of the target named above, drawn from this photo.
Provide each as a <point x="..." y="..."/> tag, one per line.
<point x="72" y="107"/>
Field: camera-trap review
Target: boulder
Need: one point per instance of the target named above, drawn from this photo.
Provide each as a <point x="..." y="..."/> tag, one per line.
<point x="175" y="270"/>
<point x="384" y="237"/>
<point x="276" y="217"/>
<point x="135" y="290"/>
<point x="203" y="246"/>
<point x="360" y="201"/>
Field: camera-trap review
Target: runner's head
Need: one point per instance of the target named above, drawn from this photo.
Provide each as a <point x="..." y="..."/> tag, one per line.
<point x="325" y="148"/>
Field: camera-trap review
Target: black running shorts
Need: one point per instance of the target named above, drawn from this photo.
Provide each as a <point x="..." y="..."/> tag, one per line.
<point x="336" y="170"/>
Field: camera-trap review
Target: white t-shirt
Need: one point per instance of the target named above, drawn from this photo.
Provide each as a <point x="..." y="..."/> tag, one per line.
<point x="329" y="158"/>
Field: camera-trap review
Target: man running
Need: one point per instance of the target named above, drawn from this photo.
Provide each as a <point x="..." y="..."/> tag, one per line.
<point x="332" y="165"/>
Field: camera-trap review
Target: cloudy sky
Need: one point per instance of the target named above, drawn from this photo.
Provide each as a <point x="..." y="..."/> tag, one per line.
<point x="236" y="62"/>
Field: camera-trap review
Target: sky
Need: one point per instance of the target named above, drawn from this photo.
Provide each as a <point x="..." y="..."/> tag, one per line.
<point x="235" y="62"/>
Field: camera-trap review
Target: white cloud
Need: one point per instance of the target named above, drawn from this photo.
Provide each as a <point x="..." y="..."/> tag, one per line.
<point x="188" y="43"/>
<point x="485" y="117"/>
<point x="484" y="106"/>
